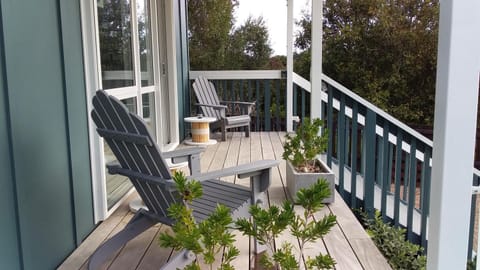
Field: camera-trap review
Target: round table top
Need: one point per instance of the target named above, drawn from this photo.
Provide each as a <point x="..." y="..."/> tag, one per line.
<point x="197" y="119"/>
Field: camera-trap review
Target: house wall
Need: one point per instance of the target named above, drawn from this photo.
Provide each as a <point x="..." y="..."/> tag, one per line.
<point x="45" y="182"/>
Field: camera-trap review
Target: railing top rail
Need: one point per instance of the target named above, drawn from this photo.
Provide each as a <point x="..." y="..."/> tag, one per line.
<point x="377" y="110"/>
<point x="302" y="82"/>
<point x="236" y="74"/>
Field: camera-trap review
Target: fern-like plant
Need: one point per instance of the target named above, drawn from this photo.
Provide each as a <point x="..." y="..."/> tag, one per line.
<point x="302" y="149"/>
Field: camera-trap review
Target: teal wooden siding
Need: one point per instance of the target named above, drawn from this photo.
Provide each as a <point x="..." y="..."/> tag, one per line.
<point x="77" y="116"/>
<point x="10" y="257"/>
<point x="46" y="120"/>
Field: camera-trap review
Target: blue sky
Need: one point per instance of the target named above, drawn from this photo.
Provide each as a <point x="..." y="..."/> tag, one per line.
<point x="275" y="14"/>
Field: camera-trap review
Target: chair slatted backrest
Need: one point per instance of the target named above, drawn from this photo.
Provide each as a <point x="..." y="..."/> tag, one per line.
<point x="130" y="141"/>
<point x="206" y="94"/>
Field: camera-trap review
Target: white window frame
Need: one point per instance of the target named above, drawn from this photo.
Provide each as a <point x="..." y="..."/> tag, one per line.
<point x="93" y="81"/>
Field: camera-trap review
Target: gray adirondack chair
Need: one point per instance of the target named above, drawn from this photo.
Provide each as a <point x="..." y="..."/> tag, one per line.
<point x="141" y="160"/>
<point x="212" y="107"/>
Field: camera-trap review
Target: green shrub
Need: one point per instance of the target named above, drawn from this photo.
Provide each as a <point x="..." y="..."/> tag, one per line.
<point x="302" y="149"/>
<point x="400" y="253"/>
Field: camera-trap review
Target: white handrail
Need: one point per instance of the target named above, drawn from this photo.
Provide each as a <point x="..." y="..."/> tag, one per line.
<point x="302" y="82"/>
<point x="236" y="74"/>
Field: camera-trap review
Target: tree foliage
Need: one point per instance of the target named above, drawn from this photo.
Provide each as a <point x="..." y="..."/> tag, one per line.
<point x="249" y="46"/>
<point x="383" y="50"/>
<point x="210" y="23"/>
<point x="214" y="42"/>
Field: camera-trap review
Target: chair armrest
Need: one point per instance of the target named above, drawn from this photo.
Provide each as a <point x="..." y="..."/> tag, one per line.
<point x="191" y="155"/>
<point x="216" y="107"/>
<point x="258" y="171"/>
<point x="245" y="107"/>
<point x="239" y="102"/>
<point x="183" y="152"/>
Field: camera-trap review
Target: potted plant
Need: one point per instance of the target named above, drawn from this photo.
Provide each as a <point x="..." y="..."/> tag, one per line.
<point x="301" y="152"/>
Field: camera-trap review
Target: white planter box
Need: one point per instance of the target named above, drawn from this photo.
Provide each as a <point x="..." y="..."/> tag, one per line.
<point x="296" y="180"/>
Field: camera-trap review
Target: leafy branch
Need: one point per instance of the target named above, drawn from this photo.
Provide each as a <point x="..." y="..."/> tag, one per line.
<point x="205" y="239"/>
<point x="268" y="224"/>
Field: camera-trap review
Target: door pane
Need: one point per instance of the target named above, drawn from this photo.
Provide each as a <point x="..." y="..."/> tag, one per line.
<point x="145" y="42"/>
<point x="148" y="100"/>
<point x="115" y="32"/>
<point x="117" y="185"/>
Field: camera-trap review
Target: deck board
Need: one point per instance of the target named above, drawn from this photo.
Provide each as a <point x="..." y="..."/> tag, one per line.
<point x="347" y="243"/>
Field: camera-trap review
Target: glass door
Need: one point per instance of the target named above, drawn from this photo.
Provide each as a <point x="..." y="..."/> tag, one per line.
<point x="129" y="64"/>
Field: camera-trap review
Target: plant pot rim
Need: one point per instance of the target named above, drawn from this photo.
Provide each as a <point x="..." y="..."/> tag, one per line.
<point x="324" y="168"/>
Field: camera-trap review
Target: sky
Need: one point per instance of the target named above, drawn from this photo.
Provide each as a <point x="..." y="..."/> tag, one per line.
<point x="275" y="14"/>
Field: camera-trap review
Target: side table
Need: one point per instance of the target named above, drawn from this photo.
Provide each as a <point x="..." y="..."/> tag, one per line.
<point x="200" y="130"/>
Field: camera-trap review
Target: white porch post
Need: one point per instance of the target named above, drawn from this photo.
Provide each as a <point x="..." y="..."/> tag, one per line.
<point x="454" y="134"/>
<point x="316" y="59"/>
<point x="289" y="66"/>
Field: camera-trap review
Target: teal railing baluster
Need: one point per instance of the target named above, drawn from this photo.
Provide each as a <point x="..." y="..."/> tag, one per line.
<point x="390" y="167"/>
<point x="341" y="146"/>
<point x="370" y="145"/>
<point x="295" y="92"/>
<point x="412" y="187"/>
<point x="257" y="106"/>
<point x="473" y="208"/>
<point x="405" y="176"/>
<point x="471" y="230"/>
<point x="277" y="99"/>
<point x="267" y="105"/>
<point x="353" y="184"/>
<point x="224" y="89"/>
<point x="249" y="91"/>
<point x="384" y="170"/>
<point x="379" y="162"/>
<point x="398" y="177"/>
<point x="303" y="103"/>
<point x="425" y="203"/>
<point x="347" y="142"/>
<point x="363" y="151"/>
<point x="241" y="84"/>
<point x="329" y="124"/>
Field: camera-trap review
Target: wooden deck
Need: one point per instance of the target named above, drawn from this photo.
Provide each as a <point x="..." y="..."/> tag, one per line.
<point x="347" y="243"/>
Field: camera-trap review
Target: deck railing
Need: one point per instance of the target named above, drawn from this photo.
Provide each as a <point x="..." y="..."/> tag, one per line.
<point x="266" y="87"/>
<point x="381" y="164"/>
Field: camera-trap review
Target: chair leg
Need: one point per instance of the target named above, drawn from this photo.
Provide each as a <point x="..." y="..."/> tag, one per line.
<point x="247" y="131"/>
<point x="224" y="134"/>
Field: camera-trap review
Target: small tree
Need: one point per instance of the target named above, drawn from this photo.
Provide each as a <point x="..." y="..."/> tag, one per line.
<point x="205" y="239"/>
<point x="267" y="224"/>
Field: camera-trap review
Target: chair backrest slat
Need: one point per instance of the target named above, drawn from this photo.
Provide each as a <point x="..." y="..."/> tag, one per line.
<point x="206" y="94"/>
<point x="132" y="144"/>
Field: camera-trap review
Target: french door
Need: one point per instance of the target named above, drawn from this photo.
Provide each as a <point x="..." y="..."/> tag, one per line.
<point x="132" y="66"/>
